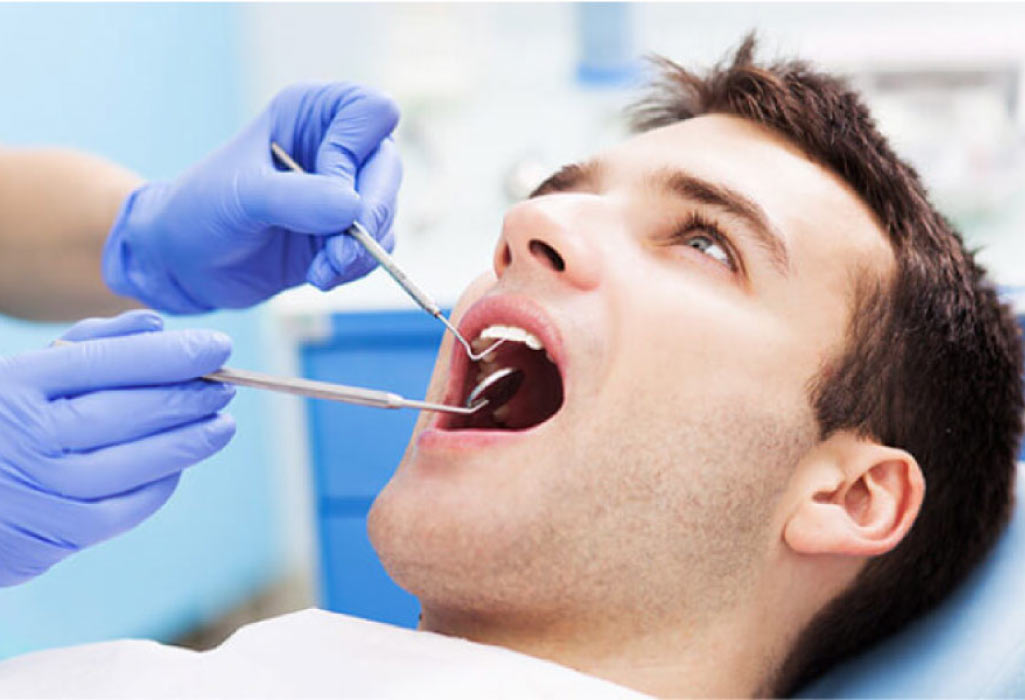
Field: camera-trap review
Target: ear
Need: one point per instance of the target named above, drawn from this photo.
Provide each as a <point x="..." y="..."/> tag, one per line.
<point x="855" y="498"/>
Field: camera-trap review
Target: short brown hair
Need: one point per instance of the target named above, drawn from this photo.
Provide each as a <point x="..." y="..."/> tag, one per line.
<point x="933" y="360"/>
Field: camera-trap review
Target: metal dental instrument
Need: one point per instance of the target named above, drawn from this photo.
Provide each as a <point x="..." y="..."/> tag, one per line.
<point x="496" y="389"/>
<point x="327" y="390"/>
<point x="381" y="255"/>
<point x="334" y="392"/>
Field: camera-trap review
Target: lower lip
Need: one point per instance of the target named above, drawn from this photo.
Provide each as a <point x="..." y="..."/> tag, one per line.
<point x="437" y="440"/>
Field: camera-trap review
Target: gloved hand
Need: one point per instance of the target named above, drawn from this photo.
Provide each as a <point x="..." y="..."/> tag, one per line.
<point x="237" y="228"/>
<point x="93" y="436"/>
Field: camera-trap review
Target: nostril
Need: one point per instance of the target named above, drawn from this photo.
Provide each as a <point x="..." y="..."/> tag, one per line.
<point x="506" y="256"/>
<point x="540" y="248"/>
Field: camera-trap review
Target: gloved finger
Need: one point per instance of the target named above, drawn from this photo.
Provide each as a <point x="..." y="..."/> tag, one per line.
<point x="79" y="523"/>
<point x="123" y="467"/>
<point x="135" y="321"/>
<point x="362" y="119"/>
<point x="363" y="262"/>
<point x="299" y="202"/>
<point x="378" y="184"/>
<point x="55" y="526"/>
<point x="112" y="516"/>
<point x="103" y="418"/>
<point x="348" y="255"/>
<point x="343" y="259"/>
<point x="323" y="270"/>
<point x="143" y="359"/>
<point x="36" y="554"/>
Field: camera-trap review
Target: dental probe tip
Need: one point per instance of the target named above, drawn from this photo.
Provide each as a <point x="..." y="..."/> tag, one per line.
<point x="475" y="356"/>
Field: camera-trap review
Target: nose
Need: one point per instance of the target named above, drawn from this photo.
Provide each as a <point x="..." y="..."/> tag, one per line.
<point x="545" y="238"/>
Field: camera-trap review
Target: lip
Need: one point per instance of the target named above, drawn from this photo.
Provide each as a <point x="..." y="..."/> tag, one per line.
<point x="504" y="309"/>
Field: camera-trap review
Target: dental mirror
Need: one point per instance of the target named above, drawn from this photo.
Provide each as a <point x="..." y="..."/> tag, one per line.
<point x="497" y="388"/>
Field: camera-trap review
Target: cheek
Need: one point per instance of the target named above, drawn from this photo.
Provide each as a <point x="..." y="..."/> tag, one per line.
<point x="688" y="349"/>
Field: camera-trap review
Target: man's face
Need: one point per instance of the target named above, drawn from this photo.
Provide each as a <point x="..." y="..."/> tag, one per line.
<point x="688" y="284"/>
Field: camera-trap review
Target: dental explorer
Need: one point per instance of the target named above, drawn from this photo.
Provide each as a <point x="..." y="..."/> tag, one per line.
<point x="379" y="254"/>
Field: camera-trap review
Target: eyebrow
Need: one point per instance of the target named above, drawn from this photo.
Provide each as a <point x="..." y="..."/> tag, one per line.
<point x="587" y="176"/>
<point x="575" y="176"/>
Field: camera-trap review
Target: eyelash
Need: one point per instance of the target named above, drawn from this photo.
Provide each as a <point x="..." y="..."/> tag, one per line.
<point x="697" y="222"/>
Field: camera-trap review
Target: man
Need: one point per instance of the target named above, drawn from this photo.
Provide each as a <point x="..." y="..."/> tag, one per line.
<point x="748" y="344"/>
<point x="769" y="344"/>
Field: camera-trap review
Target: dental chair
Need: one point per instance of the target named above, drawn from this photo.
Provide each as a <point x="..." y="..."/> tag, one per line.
<point x="973" y="645"/>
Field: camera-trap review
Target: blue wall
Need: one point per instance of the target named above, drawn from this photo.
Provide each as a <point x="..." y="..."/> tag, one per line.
<point x="153" y="87"/>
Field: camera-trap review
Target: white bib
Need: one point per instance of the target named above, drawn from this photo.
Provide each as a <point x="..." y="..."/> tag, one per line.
<point x="312" y="653"/>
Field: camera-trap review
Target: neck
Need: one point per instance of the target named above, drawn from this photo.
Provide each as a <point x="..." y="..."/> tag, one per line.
<point x="724" y="657"/>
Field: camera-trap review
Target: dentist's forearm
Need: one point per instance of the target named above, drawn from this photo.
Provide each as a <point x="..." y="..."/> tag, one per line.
<point x="56" y="208"/>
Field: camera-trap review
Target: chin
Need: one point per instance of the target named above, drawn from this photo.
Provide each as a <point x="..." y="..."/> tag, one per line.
<point x="467" y="542"/>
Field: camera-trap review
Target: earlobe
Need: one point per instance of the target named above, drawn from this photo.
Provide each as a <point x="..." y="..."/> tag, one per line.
<point x="858" y="499"/>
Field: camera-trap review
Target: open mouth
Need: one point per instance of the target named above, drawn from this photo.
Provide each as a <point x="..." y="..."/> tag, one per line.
<point x="539" y="396"/>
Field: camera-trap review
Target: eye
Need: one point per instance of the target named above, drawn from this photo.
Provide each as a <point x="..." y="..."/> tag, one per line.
<point x="708" y="245"/>
<point x="703" y="235"/>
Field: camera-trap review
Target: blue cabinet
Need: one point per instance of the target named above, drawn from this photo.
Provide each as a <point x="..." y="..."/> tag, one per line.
<point x="355" y="450"/>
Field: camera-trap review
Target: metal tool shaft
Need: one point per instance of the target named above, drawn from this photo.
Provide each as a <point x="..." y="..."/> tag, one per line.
<point x="381" y="255"/>
<point x="332" y="392"/>
<point x="307" y="387"/>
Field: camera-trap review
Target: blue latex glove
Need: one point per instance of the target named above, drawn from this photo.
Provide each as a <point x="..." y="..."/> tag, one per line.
<point x="238" y="228"/>
<point x="93" y="436"/>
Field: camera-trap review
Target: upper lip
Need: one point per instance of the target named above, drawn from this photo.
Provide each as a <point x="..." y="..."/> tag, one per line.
<point x="509" y="310"/>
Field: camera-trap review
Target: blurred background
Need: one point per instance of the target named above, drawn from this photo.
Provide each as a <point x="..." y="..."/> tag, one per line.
<point x="494" y="96"/>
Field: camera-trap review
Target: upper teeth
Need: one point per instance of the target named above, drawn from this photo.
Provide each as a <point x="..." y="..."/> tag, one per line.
<point x="512" y="333"/>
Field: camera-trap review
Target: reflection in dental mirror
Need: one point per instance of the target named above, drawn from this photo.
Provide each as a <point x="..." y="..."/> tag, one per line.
<point x="497" y="388"/>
